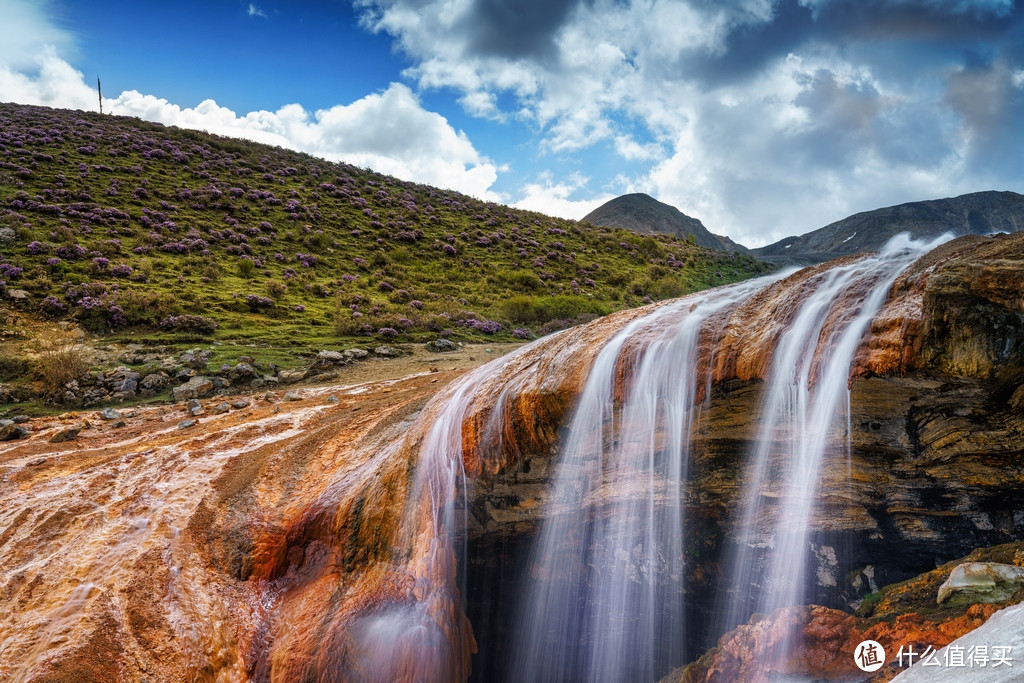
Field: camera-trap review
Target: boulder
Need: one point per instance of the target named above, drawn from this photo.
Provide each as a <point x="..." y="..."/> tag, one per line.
<point x="110" y="414"/>
<point x="153" y="383"/>
<point x="385" y="351"/>
<point x="220" y="409"/>
<point x="197" y="387"/>
<point x="355" y="354"/>
<point x="333" y="357"/>
<point x="11" y="432"/>
<point x="242" y="372"/>
<point x="442" y="345"/>
<point x="292" y="376"/>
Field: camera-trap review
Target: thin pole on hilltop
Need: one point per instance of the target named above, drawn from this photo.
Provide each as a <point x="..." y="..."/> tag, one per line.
<point x="99" y="93"/>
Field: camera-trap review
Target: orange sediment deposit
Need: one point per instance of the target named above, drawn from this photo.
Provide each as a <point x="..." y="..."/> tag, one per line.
<point x="240" y="545"/>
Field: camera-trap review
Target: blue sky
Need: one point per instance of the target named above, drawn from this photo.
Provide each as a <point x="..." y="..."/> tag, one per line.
<point x="762" y="118"/>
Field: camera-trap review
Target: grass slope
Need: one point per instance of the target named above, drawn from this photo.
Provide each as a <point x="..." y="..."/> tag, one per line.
<point x="131" y="227"/>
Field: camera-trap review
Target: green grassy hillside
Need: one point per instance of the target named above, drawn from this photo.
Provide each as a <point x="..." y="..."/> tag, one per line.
<point x="159" y="234"/>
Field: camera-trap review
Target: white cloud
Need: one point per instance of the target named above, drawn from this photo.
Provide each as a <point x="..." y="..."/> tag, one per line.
<point x="388" y="131"/>
<point x="552" y="198"/>
<point x="255" y="11"/>
<point x="756" y="142"/>
<point x="26" y="29"/>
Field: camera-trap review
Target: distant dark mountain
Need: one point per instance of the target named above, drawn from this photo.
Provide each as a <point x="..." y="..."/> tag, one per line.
<point x="643" y="213"/>
<point x="978" y="213"/>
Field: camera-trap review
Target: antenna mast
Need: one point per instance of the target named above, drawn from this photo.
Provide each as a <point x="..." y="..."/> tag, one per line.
<point x="99" y="93"/>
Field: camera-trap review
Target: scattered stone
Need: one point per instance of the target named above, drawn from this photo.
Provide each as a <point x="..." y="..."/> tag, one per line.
<point x="291" y="376"/>
<point x="20" y="419"/>
<point x="442" y="345"/>
<point x="355" y="354"/>
<point x="385" y="351"/>
<point x="292" y="396"/>
<point x="12" y="431"/>
<point x="184" y="374"/>
<point x="196" y="358"/>
<point x="110" y="414"/>
<point x="220" y="409"/>
<point x="185" y="424"/>
<point x="195" y="409"/>
<point x="243" y="372"/>
<point x="331" y="356"/>
<point x="118" y="424"/>
<point x="18" y="294"/>
<point x="36" y="463"/>
<point x="197" y="387"/>
<point x="269" y="396"/>
<point x="154" y="383"/>
<point x="69" y="434"/>
<point x="241" y="403"/>
<point x="333" y="399"/>
<point x="246" y="359"/>
<point x="5" y="422"/>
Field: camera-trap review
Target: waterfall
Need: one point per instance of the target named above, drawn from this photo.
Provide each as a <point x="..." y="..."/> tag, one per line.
<point x="605" y="597"/>
<point x="605" y="601"/>
<point x="804" y="413"/>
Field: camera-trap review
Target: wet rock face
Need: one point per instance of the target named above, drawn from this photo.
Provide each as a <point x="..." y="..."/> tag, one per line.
<point x="936" y="440"/>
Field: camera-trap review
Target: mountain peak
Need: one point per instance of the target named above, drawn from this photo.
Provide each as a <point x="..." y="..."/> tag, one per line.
<point x="643" y="213"/>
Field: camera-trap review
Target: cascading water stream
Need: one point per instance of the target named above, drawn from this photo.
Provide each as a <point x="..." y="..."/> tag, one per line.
<point x="804" y="413"/>
<point x="605" y="603"/>
<point x="605" y="597"/>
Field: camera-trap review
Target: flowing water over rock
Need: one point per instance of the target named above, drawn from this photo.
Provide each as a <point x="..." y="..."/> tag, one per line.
<point x="599" y="505"/>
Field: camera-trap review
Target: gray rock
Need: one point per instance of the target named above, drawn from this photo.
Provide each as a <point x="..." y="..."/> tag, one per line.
<point x="185" y="424"/>
<point x="110" y="414"/>
<point x="154" y="382"/>
<point x="197" y="387"/>
<point x="355" y="354"/>
<point x="220" y="409"/>
<point x="195" y="409"/>
<point x="331" y="356"/>
<point x="241" y="403"/>
<point x="7" y="235"/>
<point x="333" y="399"/>
<point x="291" y="376"/>
<point x="385" y="351"/>
<point x="69" y="434"/>
<point x="20" y="419"/>
<point x="242" y="372"/>
<point x="12" y="431"/>
<point x="442" y="345"/>
<point x="18" y="294"/>
<point x="292" y="396"/>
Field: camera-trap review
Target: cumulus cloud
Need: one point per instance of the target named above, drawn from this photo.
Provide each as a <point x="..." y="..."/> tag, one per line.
<point x="763" y="118"/>
<point x="26" y="30"/>
<point x="255" y="11"/>
<point x="388" y="131"/>
<point x="552" y="198"/>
